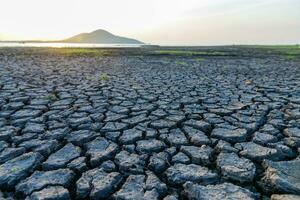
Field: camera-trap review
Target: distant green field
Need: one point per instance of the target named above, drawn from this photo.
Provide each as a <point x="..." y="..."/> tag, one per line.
<point x="80" y="51"/>
<point x="189" y="53"/>
<point x="287" y="51"/>
<point x="199" y="54"/>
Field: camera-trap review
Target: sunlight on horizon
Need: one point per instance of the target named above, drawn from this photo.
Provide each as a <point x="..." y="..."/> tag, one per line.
<point x="190" y="22"/>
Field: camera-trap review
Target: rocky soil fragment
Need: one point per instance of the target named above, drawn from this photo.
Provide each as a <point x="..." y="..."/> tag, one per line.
<point x="39" y="179"/>
<point x="181" y="173"/>
<point x="223" y="191"/>
<point x="18" y="168"/>
<point x="235" y="168"/>
<point x="282" y="176"/>
<point x="100" y="150"/>
<point x="63" y="156"/>
<point x="51" y="193"/>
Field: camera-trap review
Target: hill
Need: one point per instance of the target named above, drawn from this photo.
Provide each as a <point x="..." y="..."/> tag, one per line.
<point x="100" y="36"/>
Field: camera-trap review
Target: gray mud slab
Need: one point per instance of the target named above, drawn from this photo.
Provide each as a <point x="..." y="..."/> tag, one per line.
<point x="226" y="191"/>
<point x="235" y="168"/>
<point x="282" y="176"/>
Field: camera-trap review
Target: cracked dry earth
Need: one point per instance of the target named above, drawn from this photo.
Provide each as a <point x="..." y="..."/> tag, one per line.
<point x="220" y="128"/>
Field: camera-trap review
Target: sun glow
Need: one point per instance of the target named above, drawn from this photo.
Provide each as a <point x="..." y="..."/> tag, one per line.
<point x="156" y="21"/>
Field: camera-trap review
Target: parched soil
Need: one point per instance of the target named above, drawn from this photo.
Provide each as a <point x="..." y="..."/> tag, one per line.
<point x="149" y="123"/>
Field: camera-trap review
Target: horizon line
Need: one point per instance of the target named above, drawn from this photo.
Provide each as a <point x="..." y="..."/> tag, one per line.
<point x="162" y="45"/>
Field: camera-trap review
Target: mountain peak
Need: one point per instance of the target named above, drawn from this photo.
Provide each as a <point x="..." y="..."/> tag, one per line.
<point x="100" y="31"/>
<point x="100" y="36"/>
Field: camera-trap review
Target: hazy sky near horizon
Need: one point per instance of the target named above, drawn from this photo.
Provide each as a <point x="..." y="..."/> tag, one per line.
<point x="171" y="22"/>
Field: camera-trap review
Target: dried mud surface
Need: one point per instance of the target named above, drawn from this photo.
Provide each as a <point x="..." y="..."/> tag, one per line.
<point x="133" y="124"/>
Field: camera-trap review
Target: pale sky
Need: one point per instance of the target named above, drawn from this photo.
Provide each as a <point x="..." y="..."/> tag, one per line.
<point x="170" y="22"/>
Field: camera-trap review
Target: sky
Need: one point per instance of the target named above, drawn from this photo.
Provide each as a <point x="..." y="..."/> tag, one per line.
<point x="165" y="22"/>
